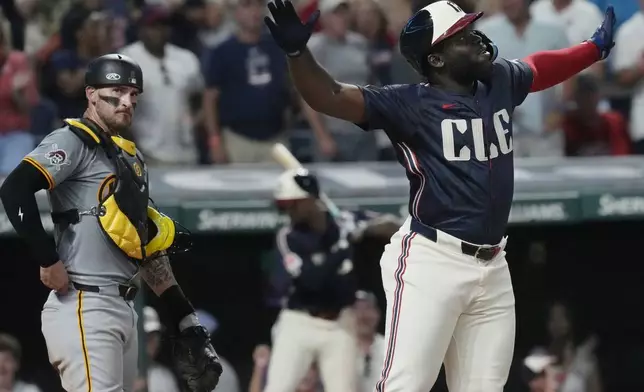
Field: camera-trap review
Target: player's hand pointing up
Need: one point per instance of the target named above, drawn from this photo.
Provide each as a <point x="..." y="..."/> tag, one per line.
<point x="287" y="29"/>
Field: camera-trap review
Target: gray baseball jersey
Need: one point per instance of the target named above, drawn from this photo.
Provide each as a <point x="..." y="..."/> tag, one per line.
<point x="77" y="174"/>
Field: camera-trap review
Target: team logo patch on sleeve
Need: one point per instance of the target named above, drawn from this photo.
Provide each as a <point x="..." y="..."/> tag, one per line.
<point x="57" y="157"/>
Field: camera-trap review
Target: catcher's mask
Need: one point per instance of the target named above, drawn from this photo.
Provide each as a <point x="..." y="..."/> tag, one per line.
<point x="294" y="185"/>
<point x="166" y="234"/>
<point x="432" y="25"/>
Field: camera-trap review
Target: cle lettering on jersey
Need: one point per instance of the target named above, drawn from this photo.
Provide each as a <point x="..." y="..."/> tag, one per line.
<point x="449" y="127"/>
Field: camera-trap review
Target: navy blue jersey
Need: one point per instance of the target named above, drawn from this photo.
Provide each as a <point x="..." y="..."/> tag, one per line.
<point x="319" y="266"/>
<point x="456" y="148"/>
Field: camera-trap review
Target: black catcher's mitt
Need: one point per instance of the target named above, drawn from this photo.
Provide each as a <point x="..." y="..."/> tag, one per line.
<point x="196" y="360"/>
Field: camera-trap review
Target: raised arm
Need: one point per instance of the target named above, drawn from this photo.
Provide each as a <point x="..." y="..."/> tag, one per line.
<point x="550" y="68"/>
<point x="322" y="92"/>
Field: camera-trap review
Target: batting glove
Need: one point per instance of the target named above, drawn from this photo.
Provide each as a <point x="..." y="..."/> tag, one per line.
<point x="287" y="29"/>
<point x="604" y="35"/>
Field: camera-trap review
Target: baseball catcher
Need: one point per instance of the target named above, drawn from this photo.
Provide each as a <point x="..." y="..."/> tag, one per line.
<point x="106" y="232"/>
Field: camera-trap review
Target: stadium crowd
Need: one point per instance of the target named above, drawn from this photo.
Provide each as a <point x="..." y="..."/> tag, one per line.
<point x="217" y="92"/>
<point x="217" y="89"/>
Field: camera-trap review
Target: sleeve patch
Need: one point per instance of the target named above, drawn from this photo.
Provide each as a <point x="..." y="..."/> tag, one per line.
<point x="57" y="157"/>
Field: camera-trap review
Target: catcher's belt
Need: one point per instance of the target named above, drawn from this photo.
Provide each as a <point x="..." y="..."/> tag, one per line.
<point x="127" y="292"/>
<point x="123" y="209"/>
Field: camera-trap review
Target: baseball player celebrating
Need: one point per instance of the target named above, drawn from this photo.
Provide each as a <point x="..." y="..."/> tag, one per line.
<point x="316" y="249"/>
<point x="105" y="232"/>
<point x="448" y="288"/>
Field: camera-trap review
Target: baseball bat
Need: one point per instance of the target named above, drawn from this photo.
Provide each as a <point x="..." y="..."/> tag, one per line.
<point x="288" y="161"/>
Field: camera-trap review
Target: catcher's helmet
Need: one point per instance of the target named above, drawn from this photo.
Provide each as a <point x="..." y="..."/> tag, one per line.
<point x="114" y="70"/>
<point x="431" y="25"/>
<point x="296" y="184"/>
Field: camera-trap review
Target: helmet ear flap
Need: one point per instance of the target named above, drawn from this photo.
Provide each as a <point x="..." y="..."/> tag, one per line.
<point x="491" y="47"/>
<point x="308" y="183"/>
<point x="416" y="40"/>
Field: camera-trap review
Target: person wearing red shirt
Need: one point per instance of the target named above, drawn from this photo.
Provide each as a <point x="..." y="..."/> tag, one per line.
<point x="307" y="9"/>
<point x="589" y="132"/>
<point x="18" y="95"/>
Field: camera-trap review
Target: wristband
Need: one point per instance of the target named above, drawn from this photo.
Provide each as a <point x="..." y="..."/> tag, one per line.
<point x="177" y="304"/>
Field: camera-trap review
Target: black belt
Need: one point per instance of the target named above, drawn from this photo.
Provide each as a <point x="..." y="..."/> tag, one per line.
<point x="127" y="292"/>
<point x="485" y="253"/>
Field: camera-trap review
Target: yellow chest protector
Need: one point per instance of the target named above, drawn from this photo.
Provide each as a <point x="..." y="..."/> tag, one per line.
<point x="123" y="210"/>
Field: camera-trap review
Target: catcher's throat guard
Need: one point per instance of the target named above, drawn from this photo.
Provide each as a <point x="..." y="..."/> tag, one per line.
<point x="123" y="210"/>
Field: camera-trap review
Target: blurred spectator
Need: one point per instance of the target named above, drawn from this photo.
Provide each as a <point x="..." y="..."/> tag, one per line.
<point x="517" y="35"/>
<point x="164" y="125"/>
<point x="371" y="22"/>
<point x="574" y="367"/>
<point x="34" y="34"/>
<point x="489" y="7"/>
<point x="401" y="71"/>
<point x="159" y="377"/>
<point x="83" y="36"/>
<point x="306" y="8"/>
<point x="371" y="343"/>
<point x="261" y="356"/>
<point x="344" y="54"/>
<point x="579" y="18"/>
<point x="590" y="132"/>
<point x="10" y="357"/>
<point x="398" y="12"/>
<point x="247" y="91"/>
<point x="18" y="95"/>
<point x="468" y="6"/>
<point x="536" y="371"/>
<point x="119" y="20"/>
<point x="187" y="21"/>
<point x="624" y="9"/>
<point x="13" y="23"/>
<point x="228" y="382"/>
<point x="217" y="25"/>
<point x="628" y="62"/>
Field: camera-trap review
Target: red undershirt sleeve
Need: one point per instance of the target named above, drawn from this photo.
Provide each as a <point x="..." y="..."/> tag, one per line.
<point x="552" y="67"/>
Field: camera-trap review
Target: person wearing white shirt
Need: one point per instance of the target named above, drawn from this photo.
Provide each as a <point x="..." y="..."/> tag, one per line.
<point x="163" y="125"/>
<point x="579" y="18"/>
<point x="628" y="64"/>
<point x="371" y="353"/>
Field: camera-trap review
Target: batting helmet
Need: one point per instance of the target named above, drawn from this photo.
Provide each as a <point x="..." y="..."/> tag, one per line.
<point x="114" y="70"/>
<point x="433" y="24"/>
<point x="296" y="184"/>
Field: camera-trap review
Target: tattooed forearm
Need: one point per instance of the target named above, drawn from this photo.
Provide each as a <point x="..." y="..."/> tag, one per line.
<point x="157" y="273"/>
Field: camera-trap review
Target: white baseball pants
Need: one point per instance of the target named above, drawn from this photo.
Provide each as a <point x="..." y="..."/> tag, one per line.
<point x="444" y="306"/>
<point x="299" y="340"/>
